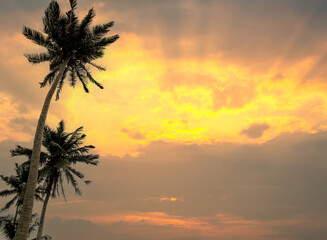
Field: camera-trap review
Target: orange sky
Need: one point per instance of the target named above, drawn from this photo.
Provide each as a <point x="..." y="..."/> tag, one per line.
<point x="149" y="97"/>
<point x="188" y="81"/>
<point x="193" y="100"/>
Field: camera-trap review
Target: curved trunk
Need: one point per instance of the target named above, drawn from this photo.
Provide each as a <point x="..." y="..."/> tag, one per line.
<point x="44" y="209"/>
<point x="27" y="208"/>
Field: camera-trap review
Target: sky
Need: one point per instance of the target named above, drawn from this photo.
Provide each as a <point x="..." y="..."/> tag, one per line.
<point x="212" y="123"/>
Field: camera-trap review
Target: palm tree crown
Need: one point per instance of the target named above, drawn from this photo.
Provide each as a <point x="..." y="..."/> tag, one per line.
<point x="17" y="186"/>
<point x="64" y="151"/>
<point x="67" y="39"/>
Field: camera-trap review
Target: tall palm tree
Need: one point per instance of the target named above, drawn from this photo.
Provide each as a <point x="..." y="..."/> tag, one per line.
<point x="17" y="184"/>
<point x="71" y="46"/>
<point x="64" y="151"/>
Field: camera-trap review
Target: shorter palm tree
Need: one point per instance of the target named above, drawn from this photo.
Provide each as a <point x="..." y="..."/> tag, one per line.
<point x="63" y="151"/>
<point x="17" y="186"/>
<point x="8" y="226"/>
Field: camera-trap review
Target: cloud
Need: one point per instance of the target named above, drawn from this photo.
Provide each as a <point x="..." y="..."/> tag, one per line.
<point x="278" y="76"/>
<point x="210" y="63"/>
<point x="133" y="134"/>
<point x="241" y="31"/>
<point x="234" y="96"/>
<point x="267" y="191"/>
<point x="261" y="183"/>
<point x="23" y="124"/>
<point x="256" y="130"/>
<point x="162" y="226"/>
<point x="20" y="5"/>
<point x="120" y="230"/>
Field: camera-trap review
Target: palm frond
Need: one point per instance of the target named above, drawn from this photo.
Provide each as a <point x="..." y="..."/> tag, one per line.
<point x="55" y="63"/>
<point x="37" y="37"/>
<point x="82" y="80"/>
<point x="101" y="29"/>
<point x="38" y="58"/>
<point x="88" y="74"/>
<point x="87" y="159"/>
<point x="6" y="192"/>
<point x="5" y="179"/>
<point x="49" y="77"/>
<point x="21" y="151"/>
<point x="73" y="4"/>
<point x="73" y="77"/>
<point x="103" y="42"/>
<point x="61" y="127"/>
<point x="80" y="150"/>
<point x="75" y="139"/>
<point x="72" y="26"/>
<point x="86" y="22"/>
<point x="73" y="182"/>
<point x="76" y="173"/>
<point x="55" y="189"/>
<point x="87" y="182"/>
<point x="9" y="204"/>
<point x="97" y="66"/>
<point x="61" y="183"/>
<point x="50" y="19"/>
<point x="61" y="84"/>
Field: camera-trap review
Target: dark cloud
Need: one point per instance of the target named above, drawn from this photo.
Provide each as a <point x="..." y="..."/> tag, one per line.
<point x="255" y="130"/>
<point x="233" y="96"/>
<point x="134" y="134"/>
<point x="21" y="124"/>
<point x="278" y="76"/>
<point x="15" y="5"/>
<point x="280" y="179"/>
<point x="65" y="229"/>
<point x="253" y="33"/>
<point x="276" y="181"/>
<point x="85" y="230"/>
<point x="317" y="71"/>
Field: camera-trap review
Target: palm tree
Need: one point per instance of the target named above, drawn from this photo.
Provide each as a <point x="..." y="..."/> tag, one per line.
<point x="17" y="185"/>
<point x="71" y="46"/>
<point x="64" y="151"/>
<point x="8" y="226"/>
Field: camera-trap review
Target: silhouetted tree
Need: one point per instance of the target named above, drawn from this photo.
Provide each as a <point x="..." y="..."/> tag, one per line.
<point x="71" y="46"/>
<point x="17" y="185"/>
<point x="8" y="226"/>
<point x="64" y="150"/>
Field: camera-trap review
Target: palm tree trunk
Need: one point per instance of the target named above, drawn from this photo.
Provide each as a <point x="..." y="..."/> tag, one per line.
<point x="44" y="209"/>
<point x="16" y="213"/>
<point x="27" y="208"/>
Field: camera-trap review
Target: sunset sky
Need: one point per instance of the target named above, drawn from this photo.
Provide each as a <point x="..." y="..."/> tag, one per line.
<point x="212" y="123"/>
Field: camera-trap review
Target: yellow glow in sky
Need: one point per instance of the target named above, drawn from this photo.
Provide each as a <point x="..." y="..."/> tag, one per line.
<point x="150" y="98"/>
